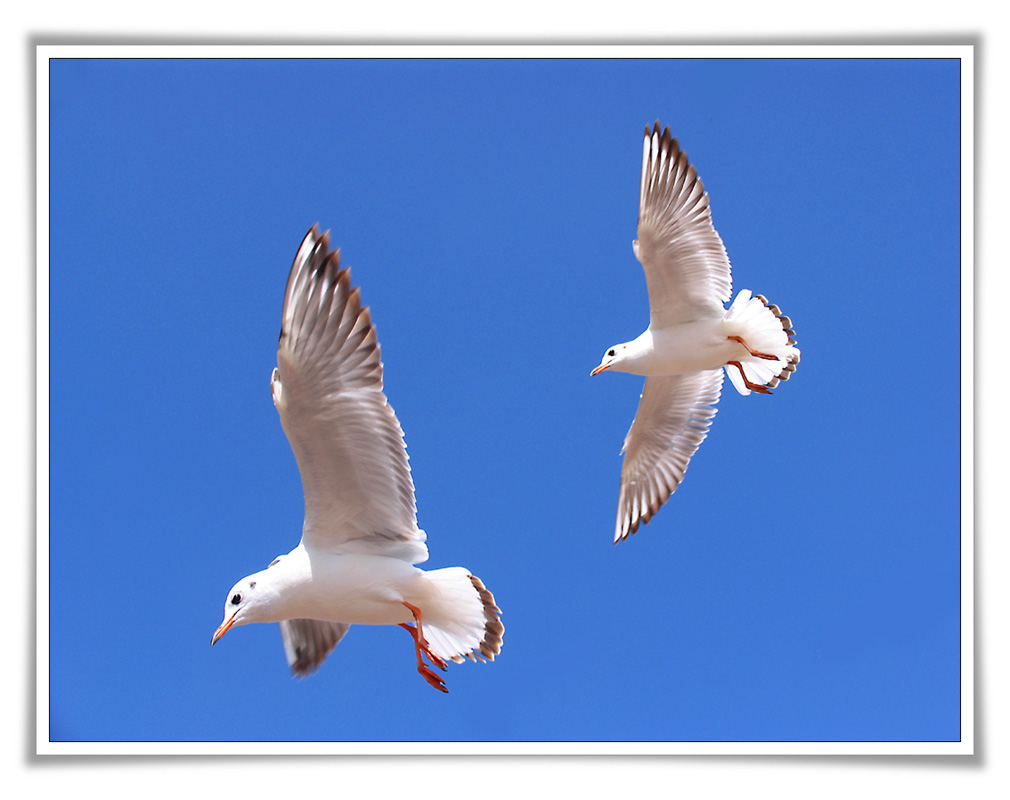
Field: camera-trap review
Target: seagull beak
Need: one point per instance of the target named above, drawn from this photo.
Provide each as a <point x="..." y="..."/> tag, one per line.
<point x="599" y="369"/>
<point x="223" y="629"/>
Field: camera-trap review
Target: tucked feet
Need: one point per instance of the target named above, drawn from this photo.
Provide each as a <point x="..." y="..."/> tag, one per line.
<point x="753" y="353"/>
<point x="754" y="387"/>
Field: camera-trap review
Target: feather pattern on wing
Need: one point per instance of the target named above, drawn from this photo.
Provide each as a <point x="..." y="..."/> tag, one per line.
<point x="359" y="496"/>
<point x="307" y="642"/>
<point x="673" y="418"/>
<point x="685" y="262"/>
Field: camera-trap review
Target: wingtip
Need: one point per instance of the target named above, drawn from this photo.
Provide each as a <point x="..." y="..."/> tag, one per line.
<point x="625" y="527"/>
<point x="332" y="261"/>
<point x="666" y="141"/>
<point x="315" y="238"/>
<point x="625" y="533"/>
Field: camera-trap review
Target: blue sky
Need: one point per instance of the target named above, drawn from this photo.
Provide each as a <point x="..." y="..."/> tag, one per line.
<point x="802" y="584"/>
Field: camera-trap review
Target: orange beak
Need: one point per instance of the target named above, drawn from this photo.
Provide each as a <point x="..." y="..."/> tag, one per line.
<point x="223" y="629"/>
<point x="599" y="369"/>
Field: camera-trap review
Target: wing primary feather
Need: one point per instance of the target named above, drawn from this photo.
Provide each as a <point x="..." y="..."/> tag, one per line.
<point x="307" y="642"/>
<point x="673" y="418"/>
<point x="685" y="263"/>
<point x="359" y="495"/>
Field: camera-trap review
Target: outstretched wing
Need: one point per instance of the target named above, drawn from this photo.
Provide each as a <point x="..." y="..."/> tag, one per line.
<point x="673" y="418"/>
<point x="685" y="263"/>
<point x="359" y="496"/>
<point x="307" y="642"/>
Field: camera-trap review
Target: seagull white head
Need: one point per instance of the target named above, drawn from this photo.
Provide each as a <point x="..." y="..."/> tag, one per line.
<point x="612" y="359"/>
<point x="246" y="603"/>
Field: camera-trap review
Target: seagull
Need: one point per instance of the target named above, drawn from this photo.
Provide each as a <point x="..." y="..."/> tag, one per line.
<point x="360" y="540"/>
<point x="691" y="336"/>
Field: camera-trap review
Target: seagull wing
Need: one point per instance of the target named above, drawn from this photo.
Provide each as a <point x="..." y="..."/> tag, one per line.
<point x="359" y="496"/>
<point x="685" y="263"/>
<point x="307" y="642"/>
<point x="673" y="418"/>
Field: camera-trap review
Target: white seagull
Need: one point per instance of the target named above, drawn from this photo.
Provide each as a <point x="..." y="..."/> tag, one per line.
<point x="691" y="336"/>
<point x="360" y="537"/>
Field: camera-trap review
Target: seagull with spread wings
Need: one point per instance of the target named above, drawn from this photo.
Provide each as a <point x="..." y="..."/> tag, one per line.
<point x="360" y="540"/>
<point x="691" y="336"/>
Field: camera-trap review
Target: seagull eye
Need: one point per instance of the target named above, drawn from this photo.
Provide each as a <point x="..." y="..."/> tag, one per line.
<point x="611" y="353"/>
<point x="236" y="599"/>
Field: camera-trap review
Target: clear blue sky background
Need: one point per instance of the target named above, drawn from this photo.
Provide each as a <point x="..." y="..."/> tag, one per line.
<point x="803" y="583"/>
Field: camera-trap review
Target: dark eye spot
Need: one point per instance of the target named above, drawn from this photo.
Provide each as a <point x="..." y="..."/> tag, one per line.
<point x="611" y="353"/>
<point x="236" y="599"/>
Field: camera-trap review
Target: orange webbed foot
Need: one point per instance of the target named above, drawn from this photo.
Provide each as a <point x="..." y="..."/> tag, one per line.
<point x="433" y="678"/>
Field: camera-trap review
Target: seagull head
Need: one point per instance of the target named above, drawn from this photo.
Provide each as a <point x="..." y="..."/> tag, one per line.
<point x="612" y="358"/>
<point x="246" y="603"/>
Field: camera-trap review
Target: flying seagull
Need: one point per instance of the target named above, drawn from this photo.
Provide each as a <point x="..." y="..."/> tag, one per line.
<point x="360" y="540"/>
<point x="691" y="336"/>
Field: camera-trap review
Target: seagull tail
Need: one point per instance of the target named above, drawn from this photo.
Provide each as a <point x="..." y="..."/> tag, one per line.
<point x="766" y="330"/>
<point x="460" y="616"/>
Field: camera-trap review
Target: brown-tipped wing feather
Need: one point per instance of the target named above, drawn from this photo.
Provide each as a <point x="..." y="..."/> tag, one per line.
<point x="685" y="262"/>
<point x="307" y="642"/>
<point x="673" y="418"/>
<point x="359" y="496"/>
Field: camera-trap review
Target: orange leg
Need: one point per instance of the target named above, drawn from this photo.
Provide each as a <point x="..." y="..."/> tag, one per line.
<point x="421" y="646"/>
<point x="756" y="355"/>
<point x="754" y="387"/>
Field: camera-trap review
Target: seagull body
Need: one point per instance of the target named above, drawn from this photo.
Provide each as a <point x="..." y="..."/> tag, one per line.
<point x="360" y="539"/>
<point x="368" y="590"/>
<point x="691" y="336"/>
<point x="688" y="347"/>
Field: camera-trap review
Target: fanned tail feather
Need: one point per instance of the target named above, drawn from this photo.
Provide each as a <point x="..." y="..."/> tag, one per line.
<point x="463" y="621"/>
<point x="766" y="330"/>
